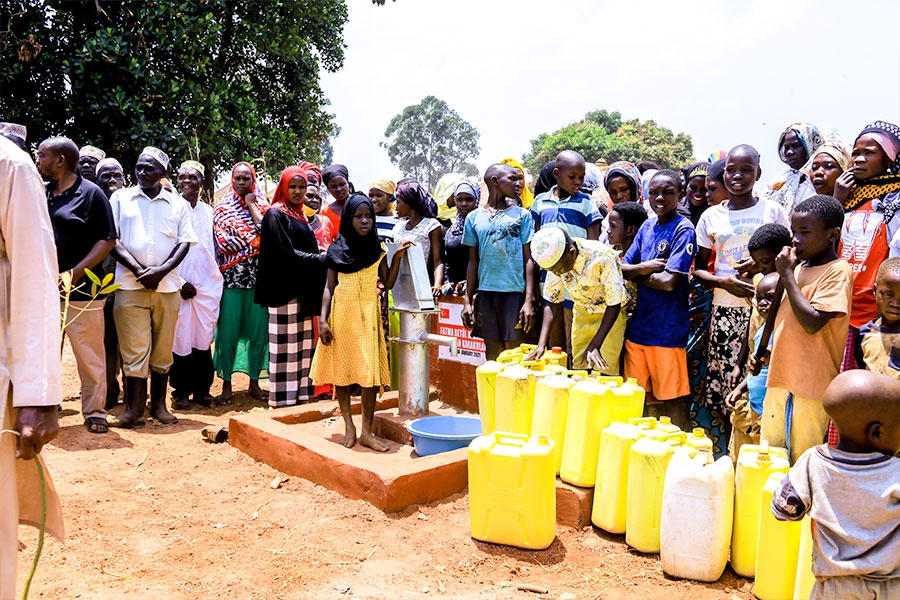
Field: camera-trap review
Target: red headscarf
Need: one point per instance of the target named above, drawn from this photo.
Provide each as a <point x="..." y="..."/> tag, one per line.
<point x="281" y="197"/>
<point x="309" y="167"/>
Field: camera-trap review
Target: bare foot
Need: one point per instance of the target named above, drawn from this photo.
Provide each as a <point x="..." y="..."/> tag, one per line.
<point x="256" y="391"/>
<point x="370" y="441"/>
<point x="227" y="395"/>
<point x="349" y="439"/>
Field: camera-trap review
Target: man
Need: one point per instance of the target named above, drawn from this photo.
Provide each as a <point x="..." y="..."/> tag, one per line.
<point x="85" y="233"/>
<point x="110" y="177"/>
<point x="87" y="163"/>
<point x="30" y="390"/>
<point x="155" y="233"/>
<point x="15" y="133"/>
<point x="201" y="293"/>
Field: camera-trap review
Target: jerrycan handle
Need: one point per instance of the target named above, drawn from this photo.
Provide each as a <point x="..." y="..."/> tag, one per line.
<point x="534" y="365"/>
<point x="577" y="373"/>
<point x="527" y="349"/>
<point x="509" y="360"/>
<point x="511" y="439"/>
<point x="672" y="436"/>
<point x="610" y="380"/>
<point x="641" y="421"/>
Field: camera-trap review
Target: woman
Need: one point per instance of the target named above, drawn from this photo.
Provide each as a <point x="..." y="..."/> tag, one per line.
<point x="826" y="164"/>
<point x="466" y="198"/>
<point x="236" y="223"/>
<point x="795" y="145"/>
<point x="290" y="283"/>
<point x="418" y="210"/>
<point x="337" y="180"/>
<point x="871" y="230"/>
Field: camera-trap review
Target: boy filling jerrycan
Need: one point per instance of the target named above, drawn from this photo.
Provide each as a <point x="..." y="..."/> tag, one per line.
<point x="697" y="513"/>
<point x="583" y="427"/>
<point x="556" y="356"/>
<point x="551" y="406"/>
<point x="648" y="461"/>
<point x="514" y="403"/>
<point x="777" y="548"/>
<point x="486" y="388"/>
<point x="611" y="487"/>
<point x="755" y="464"/>
<point x="512" y="490"/>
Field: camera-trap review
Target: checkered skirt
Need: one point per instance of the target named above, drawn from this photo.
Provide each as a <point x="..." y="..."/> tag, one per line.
<point x="291" y="347"/>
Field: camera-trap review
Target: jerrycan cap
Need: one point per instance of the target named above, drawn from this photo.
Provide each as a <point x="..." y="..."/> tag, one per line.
<point x="543" y="440"/>
<point x="698" y="432"/>
<point x="556" y="350"/>
<point x="665" y="420"/>
<point x="763" y="455"/>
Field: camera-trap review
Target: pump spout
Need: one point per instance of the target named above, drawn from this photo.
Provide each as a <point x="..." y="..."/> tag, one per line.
<point x="440" y="340"/>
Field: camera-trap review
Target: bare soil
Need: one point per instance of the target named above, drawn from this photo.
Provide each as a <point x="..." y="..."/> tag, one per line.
<point x="160" y="512"/>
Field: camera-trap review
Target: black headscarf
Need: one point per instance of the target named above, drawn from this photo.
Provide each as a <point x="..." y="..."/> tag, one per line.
<point x="698" y="169"/>
<point x="717" y="171"/>
<point x="351" y="252"/>
<point x="418" y="199"/>
<point x="546" y="180"/>
<point x="332" y="170"/>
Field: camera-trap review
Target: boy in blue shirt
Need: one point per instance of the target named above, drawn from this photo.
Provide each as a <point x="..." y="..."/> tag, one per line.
<point x="659" y="261"/>
<point x="500" y="266"/>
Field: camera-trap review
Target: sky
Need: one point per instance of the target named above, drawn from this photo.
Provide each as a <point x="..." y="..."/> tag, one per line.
<point x="725" y="72"/>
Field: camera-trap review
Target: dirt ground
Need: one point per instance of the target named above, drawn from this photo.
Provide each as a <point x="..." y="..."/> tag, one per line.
<point x="160" y="512"/>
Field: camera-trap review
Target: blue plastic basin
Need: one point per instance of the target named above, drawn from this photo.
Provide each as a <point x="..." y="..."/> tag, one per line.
<point x="433" y="435"/>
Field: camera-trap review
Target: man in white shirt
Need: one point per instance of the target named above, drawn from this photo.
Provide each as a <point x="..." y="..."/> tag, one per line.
<point x="155" y="233"/>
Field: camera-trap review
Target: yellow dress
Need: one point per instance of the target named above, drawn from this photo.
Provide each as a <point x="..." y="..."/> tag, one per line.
<point x="357" y="353"/>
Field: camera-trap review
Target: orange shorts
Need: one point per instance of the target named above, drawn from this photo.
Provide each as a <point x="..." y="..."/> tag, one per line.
<point x="660" y="371"/>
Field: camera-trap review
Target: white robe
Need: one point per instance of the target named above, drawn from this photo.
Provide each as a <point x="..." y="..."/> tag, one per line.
<point x="29" y="346"/>
<point x="197" y="317"/>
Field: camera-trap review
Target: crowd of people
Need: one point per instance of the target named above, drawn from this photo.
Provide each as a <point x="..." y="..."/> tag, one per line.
<point x="735" y="310"/>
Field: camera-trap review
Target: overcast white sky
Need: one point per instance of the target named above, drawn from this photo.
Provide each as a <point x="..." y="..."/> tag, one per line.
<point x="724" y="71"/>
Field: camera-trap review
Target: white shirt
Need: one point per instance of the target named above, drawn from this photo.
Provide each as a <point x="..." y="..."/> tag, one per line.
<point x="150" y="229"/>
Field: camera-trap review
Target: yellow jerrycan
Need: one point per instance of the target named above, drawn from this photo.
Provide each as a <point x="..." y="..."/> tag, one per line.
<point x="556" y="356"/>
<point x="583" y="427"/>
<point x="609" y="380"/>
<point x="697" y="513"/>
<point x="486" y="388"/>
<point x="516" y="354"/>
<point x="647" y="464"/>
<point x="551" y="406"/>
<point x="777" y="548"/>
<point x="755" y="464"/>
<point x="625" y="401"/>
<point x="514" y="404"/>
<point x="803" y="584"/>
<point x="665" y="425"/>
<point x="698" y="440"/>
<point x="512" y="490"/>
<point x="611" y="487"/>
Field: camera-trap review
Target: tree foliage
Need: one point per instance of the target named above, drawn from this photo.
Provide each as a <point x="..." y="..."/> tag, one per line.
<point x="430" y="139"/>
<point x="603" y="134"/>
<point x="229" y="79"/>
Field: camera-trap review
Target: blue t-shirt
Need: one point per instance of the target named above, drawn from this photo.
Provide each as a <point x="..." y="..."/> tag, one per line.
<point x="661" y="318"/>
<point x="756" y="384"/>
<point x="499" y="238"/>
<point x="573" y="214"/>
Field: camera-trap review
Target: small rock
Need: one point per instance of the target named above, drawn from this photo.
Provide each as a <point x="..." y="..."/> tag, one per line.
<point x="567" y="596"/>
<point x="422" y="517"/>
<point x="426" y="589"/>
<point x="342" y="588"/>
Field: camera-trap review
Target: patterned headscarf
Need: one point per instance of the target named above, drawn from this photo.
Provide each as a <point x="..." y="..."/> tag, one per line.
<point x="623" y="168"/>
<point x="471" y="186"/>
<point x="888" y="137"/>
<point x="808" y="135"/>
<point x="526" y="196"/>
<point x="281" y="197"/>
<point x="418" y="199"/>
<point x="592" y="177"/>
<point x="311" y="168"/>
<point x="237" y="236"/>
<point x="836" y="149"/>
<point x="351" y="252"/>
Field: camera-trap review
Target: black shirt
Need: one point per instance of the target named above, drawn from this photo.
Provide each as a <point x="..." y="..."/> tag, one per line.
<point x="81" y="217"/>
<point x="290" y="265"/>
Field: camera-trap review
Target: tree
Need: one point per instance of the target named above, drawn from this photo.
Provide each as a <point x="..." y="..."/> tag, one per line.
<point x="429" y="139"/>
<point x="218" y="81"/>
<point x="602" y="134"/>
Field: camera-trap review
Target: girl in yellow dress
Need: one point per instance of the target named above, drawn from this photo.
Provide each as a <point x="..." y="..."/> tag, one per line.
<point x="352" y="348"/>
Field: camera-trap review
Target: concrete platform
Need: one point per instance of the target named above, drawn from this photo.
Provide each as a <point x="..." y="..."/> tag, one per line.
<point x="303" y="441"/>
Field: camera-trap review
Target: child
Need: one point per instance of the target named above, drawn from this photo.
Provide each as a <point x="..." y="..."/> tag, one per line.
<point x="726" y="229"/>
<point x="352" y="349"/>
<point x="466" y="198"/>
<point x="381" y="193"/>
<point x="811" y="326"/>
<point x="500" y="266"/>
<point x="850" y="492"/>
<point x="590" y="272"/>
<point x="623" y="183"/>
<point x="877" y="347"/>
<point x="625" y="219"/>
<point x="418" y="211"/>
<point x="659" y="261"/>
<point x="746" y="399"/>
<point x="716" y="193"/>
<point x="565" y="206"/>
<point x="322" y="228"/>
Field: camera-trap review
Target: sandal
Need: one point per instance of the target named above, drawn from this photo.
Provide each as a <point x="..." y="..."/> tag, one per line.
<point x="96" y="425"/>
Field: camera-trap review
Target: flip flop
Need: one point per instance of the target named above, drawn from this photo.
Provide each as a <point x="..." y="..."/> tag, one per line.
<point x="96" y="425"/>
